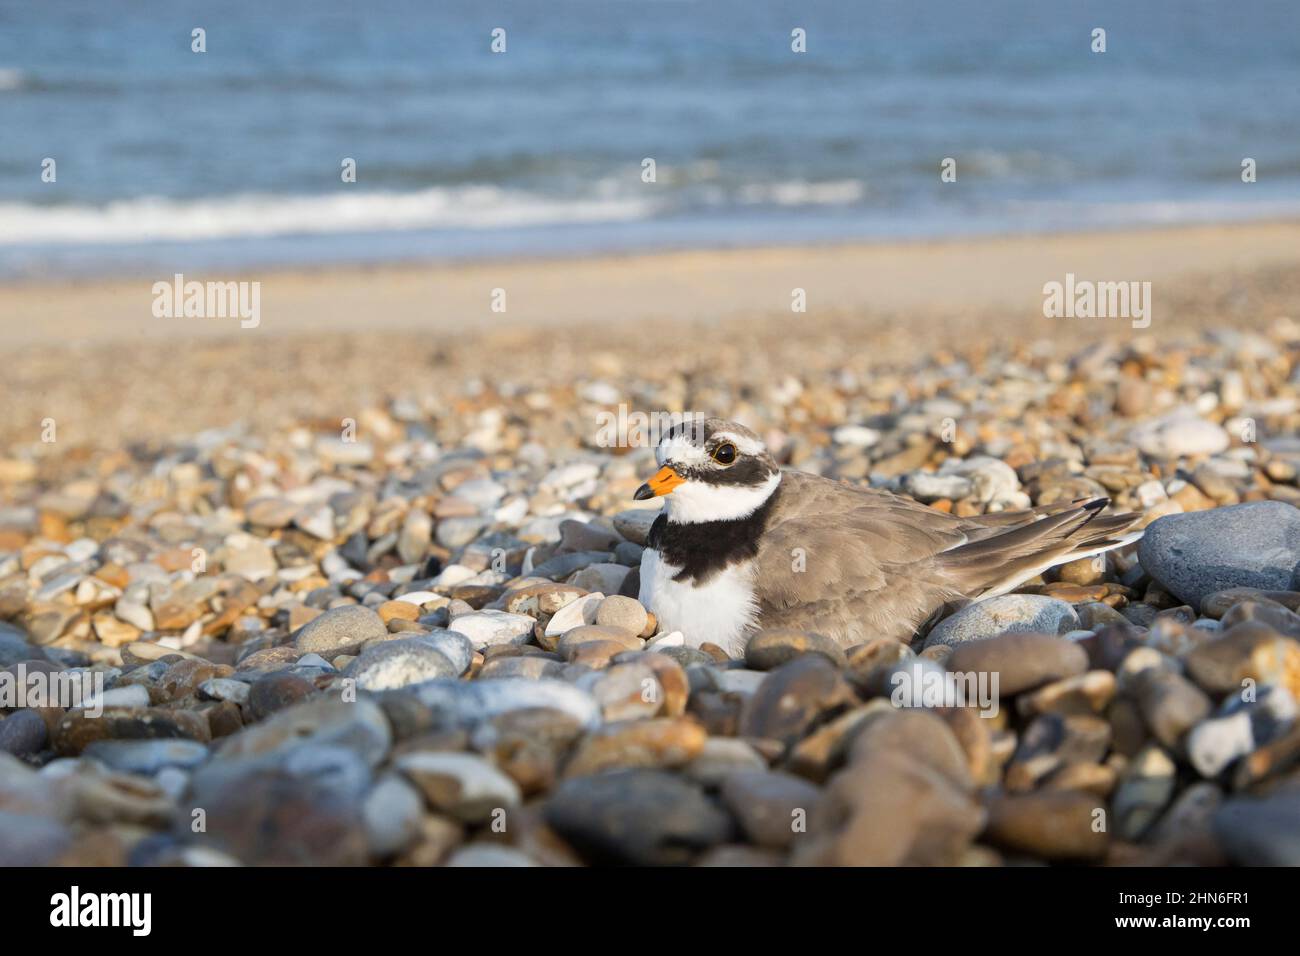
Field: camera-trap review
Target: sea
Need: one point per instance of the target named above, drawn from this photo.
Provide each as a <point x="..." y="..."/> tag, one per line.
<point x="544" y="128"/>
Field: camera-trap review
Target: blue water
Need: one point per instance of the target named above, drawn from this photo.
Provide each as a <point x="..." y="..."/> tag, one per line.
<point x="173" y="159"/>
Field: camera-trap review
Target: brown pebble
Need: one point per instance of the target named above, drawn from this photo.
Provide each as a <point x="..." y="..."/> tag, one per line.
<point x="274" y="692"/>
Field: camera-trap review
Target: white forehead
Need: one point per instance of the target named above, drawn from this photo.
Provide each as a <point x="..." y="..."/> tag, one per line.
<point x="682" y="448"/>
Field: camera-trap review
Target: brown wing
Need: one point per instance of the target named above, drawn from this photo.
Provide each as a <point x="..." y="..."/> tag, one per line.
<point x="826" y="537"/>
<point x="859" y="563"/>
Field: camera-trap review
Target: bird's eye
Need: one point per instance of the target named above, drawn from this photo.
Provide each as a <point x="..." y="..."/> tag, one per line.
<point x="725" y="453"/>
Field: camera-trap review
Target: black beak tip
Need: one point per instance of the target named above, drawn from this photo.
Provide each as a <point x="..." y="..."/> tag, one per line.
<point x="643" y="493"/>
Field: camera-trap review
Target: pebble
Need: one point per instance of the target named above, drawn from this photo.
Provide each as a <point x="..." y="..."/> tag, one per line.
<point x="720" y="757"/>
<point x="488" y="628"/>
<point x="31" y="840"/>
<point x="622" y="612"/>
<point x="1284" y="622"/>
<point x="77" y="729"/>
<point x="148" y="757"/>
<point x="391" y="611"/>
<point x="575" y="638"/>
<point x="341" y="630"/>
<point x="1179" y="434"/>
<point x="1261" y="831"/>
<point x="317" y="522"/>
<point x="465" y="786"/>
<point x="531" y="667"/>
<point x="274" y="692"/>
<point x="1143" y="792"/>
<point x="664" y="742"/>
<point x="686" y="656"/>
<point x="393" y="664"/>
<point x="793" y="698"/>
<point x="1064" y="825"/>
<point x="634" y="524"/>
<point x="672" y="681"/>
<point x="636" y="817"/>
<point x="625" y="552"/>
<point x="224" y="688"/>
<point x="1021" y="661"/>
<point x="23" y="734"/>
<point x="584" y="536"/>
<point x="1247" y="652"/>
<point x="1213" y="745"/>
<point x="768" y="650"/>
<point x="582" y="610"/>
<point x="415" y="537"/>
<point x="927" y="487"/>
<point x="738" y="681"/>
<point x="132" y="695"/>
<point x="1184" y="836"/>
<point x="992" y="481"/>
<point x="391" y="815"/>
<point x="1089" y="693"/>
<point x="823" y="751"/>
<point x="886" y="809"/>
<point x="465" y="704"/>
<point x="1253" y="545"/>
<point x="324" y="721"/>
<point x="490" y="855"/>
<point x="14" y="646"/>
<point x="926" y="736"/>
<point x="528" y="745"/>
<point x="296" y="809"/>
<point x="1170" y="704"/>
<point x="859" y="436"/>
<point x="247" y="557"/>
<point x="1219" y="603"/>
<point x="271" y="512"/>
<point x="1000" y="615"/>
<point x="455" y="533"/>
<point x="602" y="576"/>
<point x="673" y="639"/>
<point x="561" y="566"/>
<point x="1052" y="742"/>
<point x="541" y="600"/>
<point x="453" y="645"/>
<point x="625" y="691"/>
<point x="772" y="808"/>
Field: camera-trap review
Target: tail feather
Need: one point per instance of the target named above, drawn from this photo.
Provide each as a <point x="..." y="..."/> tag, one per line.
<point x="997" y="563"/>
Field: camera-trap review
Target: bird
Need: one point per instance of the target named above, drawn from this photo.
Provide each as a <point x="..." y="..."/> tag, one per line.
<point x="742" y="545"/>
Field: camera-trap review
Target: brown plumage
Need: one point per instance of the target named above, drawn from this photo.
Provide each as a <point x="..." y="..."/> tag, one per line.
<point x="875" y="564"/>
<point x="744" y="546"/>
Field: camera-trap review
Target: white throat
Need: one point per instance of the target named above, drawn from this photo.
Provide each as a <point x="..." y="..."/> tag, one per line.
<point x="693" y="501"/>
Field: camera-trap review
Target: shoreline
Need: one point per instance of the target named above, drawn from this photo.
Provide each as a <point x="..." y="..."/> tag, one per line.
<point x="1006" y="271"/>
<point x="551" y="244"/>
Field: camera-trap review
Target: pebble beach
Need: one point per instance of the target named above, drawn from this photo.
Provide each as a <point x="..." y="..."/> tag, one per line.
<point x="368" y="598"/>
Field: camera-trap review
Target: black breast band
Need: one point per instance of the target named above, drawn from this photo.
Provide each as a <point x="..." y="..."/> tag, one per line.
<point x="705" y="548"/>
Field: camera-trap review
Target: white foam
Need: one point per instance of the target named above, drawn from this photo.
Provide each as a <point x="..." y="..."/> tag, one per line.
<point x="479" y="207"/>
<point x="797" y="192"/>
<point x="151" y="218"/>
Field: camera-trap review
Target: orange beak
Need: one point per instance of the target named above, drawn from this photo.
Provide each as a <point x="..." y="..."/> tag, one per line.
<point x="664" y="481"/>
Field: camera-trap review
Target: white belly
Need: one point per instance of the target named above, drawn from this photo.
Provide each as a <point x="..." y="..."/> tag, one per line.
<point x="722" y="610"/>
